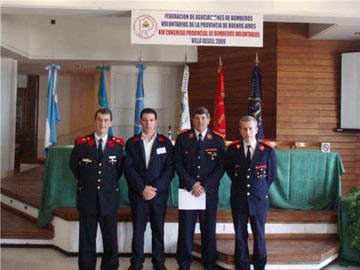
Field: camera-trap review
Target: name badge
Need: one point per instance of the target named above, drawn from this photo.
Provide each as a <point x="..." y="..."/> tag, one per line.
<point x="161" y="150"/>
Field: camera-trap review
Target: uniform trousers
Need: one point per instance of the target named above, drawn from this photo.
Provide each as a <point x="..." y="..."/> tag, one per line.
<point x="140" y="211"/>
<point x="257" y="223"/>
<point x="187" y="221"/>
<point x="87" y="241"/>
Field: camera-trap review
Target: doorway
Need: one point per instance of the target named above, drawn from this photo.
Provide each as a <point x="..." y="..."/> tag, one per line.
<point x="26" y="121"/>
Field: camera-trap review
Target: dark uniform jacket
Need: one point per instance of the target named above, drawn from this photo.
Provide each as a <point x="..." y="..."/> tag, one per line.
<point x="98" y="187"/>
<point x="205" y="166"/>
<point x="249" y="189"/>
<point x="159" y="172"/>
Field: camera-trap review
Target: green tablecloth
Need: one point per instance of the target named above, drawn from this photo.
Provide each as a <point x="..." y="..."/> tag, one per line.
<point x="307" y="179"/>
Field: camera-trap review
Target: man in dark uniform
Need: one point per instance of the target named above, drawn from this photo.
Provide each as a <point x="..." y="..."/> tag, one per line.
<point x="198" y="162"/>
<point x="96" y="162"/>
<point x="251" y="166"/>
<point x="149" y="169"/>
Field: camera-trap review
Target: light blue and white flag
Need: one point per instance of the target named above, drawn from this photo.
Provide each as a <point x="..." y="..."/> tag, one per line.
<point x="139" y="103"/>
<point x="184" y="107"/>
<point x="102" y="93"/>
<point x="52" y="115"/>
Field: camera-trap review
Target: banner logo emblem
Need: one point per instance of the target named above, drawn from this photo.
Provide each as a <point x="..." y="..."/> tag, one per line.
<point x="145" y="26"/>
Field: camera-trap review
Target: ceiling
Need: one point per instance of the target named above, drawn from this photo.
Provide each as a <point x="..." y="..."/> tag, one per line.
<point x="332" y="20"/>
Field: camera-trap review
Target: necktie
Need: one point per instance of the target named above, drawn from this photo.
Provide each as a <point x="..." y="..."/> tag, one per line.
<point x="199" y="141"/>
<point x="100" y="150"/>
<point x="248" y="156"/>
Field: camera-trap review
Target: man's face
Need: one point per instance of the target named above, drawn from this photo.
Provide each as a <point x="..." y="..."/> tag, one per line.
<point x="200" y="122"/>
<point x="102" y="124"/>
<point x="148" y="123"/>
<point x="248" y="131"/>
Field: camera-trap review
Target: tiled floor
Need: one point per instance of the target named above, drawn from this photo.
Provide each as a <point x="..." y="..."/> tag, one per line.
<point x="50" y="259"/>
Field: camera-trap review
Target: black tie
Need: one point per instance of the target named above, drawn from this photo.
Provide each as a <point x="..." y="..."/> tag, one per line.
<point x="248" y="156"/>
<point x="100" y="150"/>
<point x="199" y="142"/>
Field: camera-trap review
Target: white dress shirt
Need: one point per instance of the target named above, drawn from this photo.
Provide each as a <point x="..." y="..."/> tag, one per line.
<point x="148" y="146"/>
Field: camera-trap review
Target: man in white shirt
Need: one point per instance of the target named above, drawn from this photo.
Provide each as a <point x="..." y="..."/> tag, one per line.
<point x="149" y="169"/>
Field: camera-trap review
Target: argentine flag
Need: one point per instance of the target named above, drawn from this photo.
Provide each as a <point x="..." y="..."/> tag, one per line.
<point x="52" y="116"/>
<point x="139" y="103"/>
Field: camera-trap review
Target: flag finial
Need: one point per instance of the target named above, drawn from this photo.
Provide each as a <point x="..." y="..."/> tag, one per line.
<point x="257" y="61"/>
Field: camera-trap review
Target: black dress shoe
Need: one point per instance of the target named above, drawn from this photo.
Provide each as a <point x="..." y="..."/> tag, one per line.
<point x="161" y="267"/>
<point x="134" y="268"/>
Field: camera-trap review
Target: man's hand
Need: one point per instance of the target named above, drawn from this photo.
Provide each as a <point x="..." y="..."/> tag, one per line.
<point x="149" y="192"/>
<point x="197" y="189"/>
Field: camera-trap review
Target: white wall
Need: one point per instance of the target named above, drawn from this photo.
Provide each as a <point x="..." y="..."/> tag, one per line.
<point x="103" y="38"/>
<point x="15" y="33"/>
<point x="8" y="115"/>
<point x="161" y="92"/>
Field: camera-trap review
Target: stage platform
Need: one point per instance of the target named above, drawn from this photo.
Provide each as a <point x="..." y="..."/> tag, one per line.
<point x="296" y="239"/>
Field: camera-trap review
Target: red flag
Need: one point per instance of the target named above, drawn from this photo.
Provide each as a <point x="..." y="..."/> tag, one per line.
<point x="219" y="124"/>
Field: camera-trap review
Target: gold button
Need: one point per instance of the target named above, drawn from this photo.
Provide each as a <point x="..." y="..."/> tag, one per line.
<point x="99" y="172"/>
<point x="248" y="176"/>
<point x="198" y="157"/>
<point x="248" y="193"/>
<point x="249" y="170"/>
<point x="80" y="188"/>
<point x="100" y="164"/>
<point x="198" y="167"/>
<point x="235" y="174"/>
<point x="198" y="176"/>
<point x="99" y="180"/>
<point x="248" y="185"/>
<point x="98" y="187"/>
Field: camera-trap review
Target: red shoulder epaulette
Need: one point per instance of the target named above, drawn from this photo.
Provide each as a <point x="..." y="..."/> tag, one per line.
<point x="85" y="139"/>
<point x="267" y="143"/>
<point x="219" y="134"/>
<point x="234" y="142"/>
<point x="118" y="140"/>
<point x="161" y="138"/>
<point x="182" y="131"/>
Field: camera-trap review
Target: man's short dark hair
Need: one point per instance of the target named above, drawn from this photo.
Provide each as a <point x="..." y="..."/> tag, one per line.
<point x="148" y="111"/>
<point x="103" y="111"/>
<point x="201" y="110"/>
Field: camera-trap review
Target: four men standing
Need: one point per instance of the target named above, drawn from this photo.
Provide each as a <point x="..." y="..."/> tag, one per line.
<point x="200" y="160"/>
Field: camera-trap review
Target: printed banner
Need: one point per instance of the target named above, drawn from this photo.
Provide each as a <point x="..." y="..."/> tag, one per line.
<point x="196" y="28"/>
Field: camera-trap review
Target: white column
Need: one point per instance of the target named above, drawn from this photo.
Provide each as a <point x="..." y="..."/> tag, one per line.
<point x="8" y="115"/>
